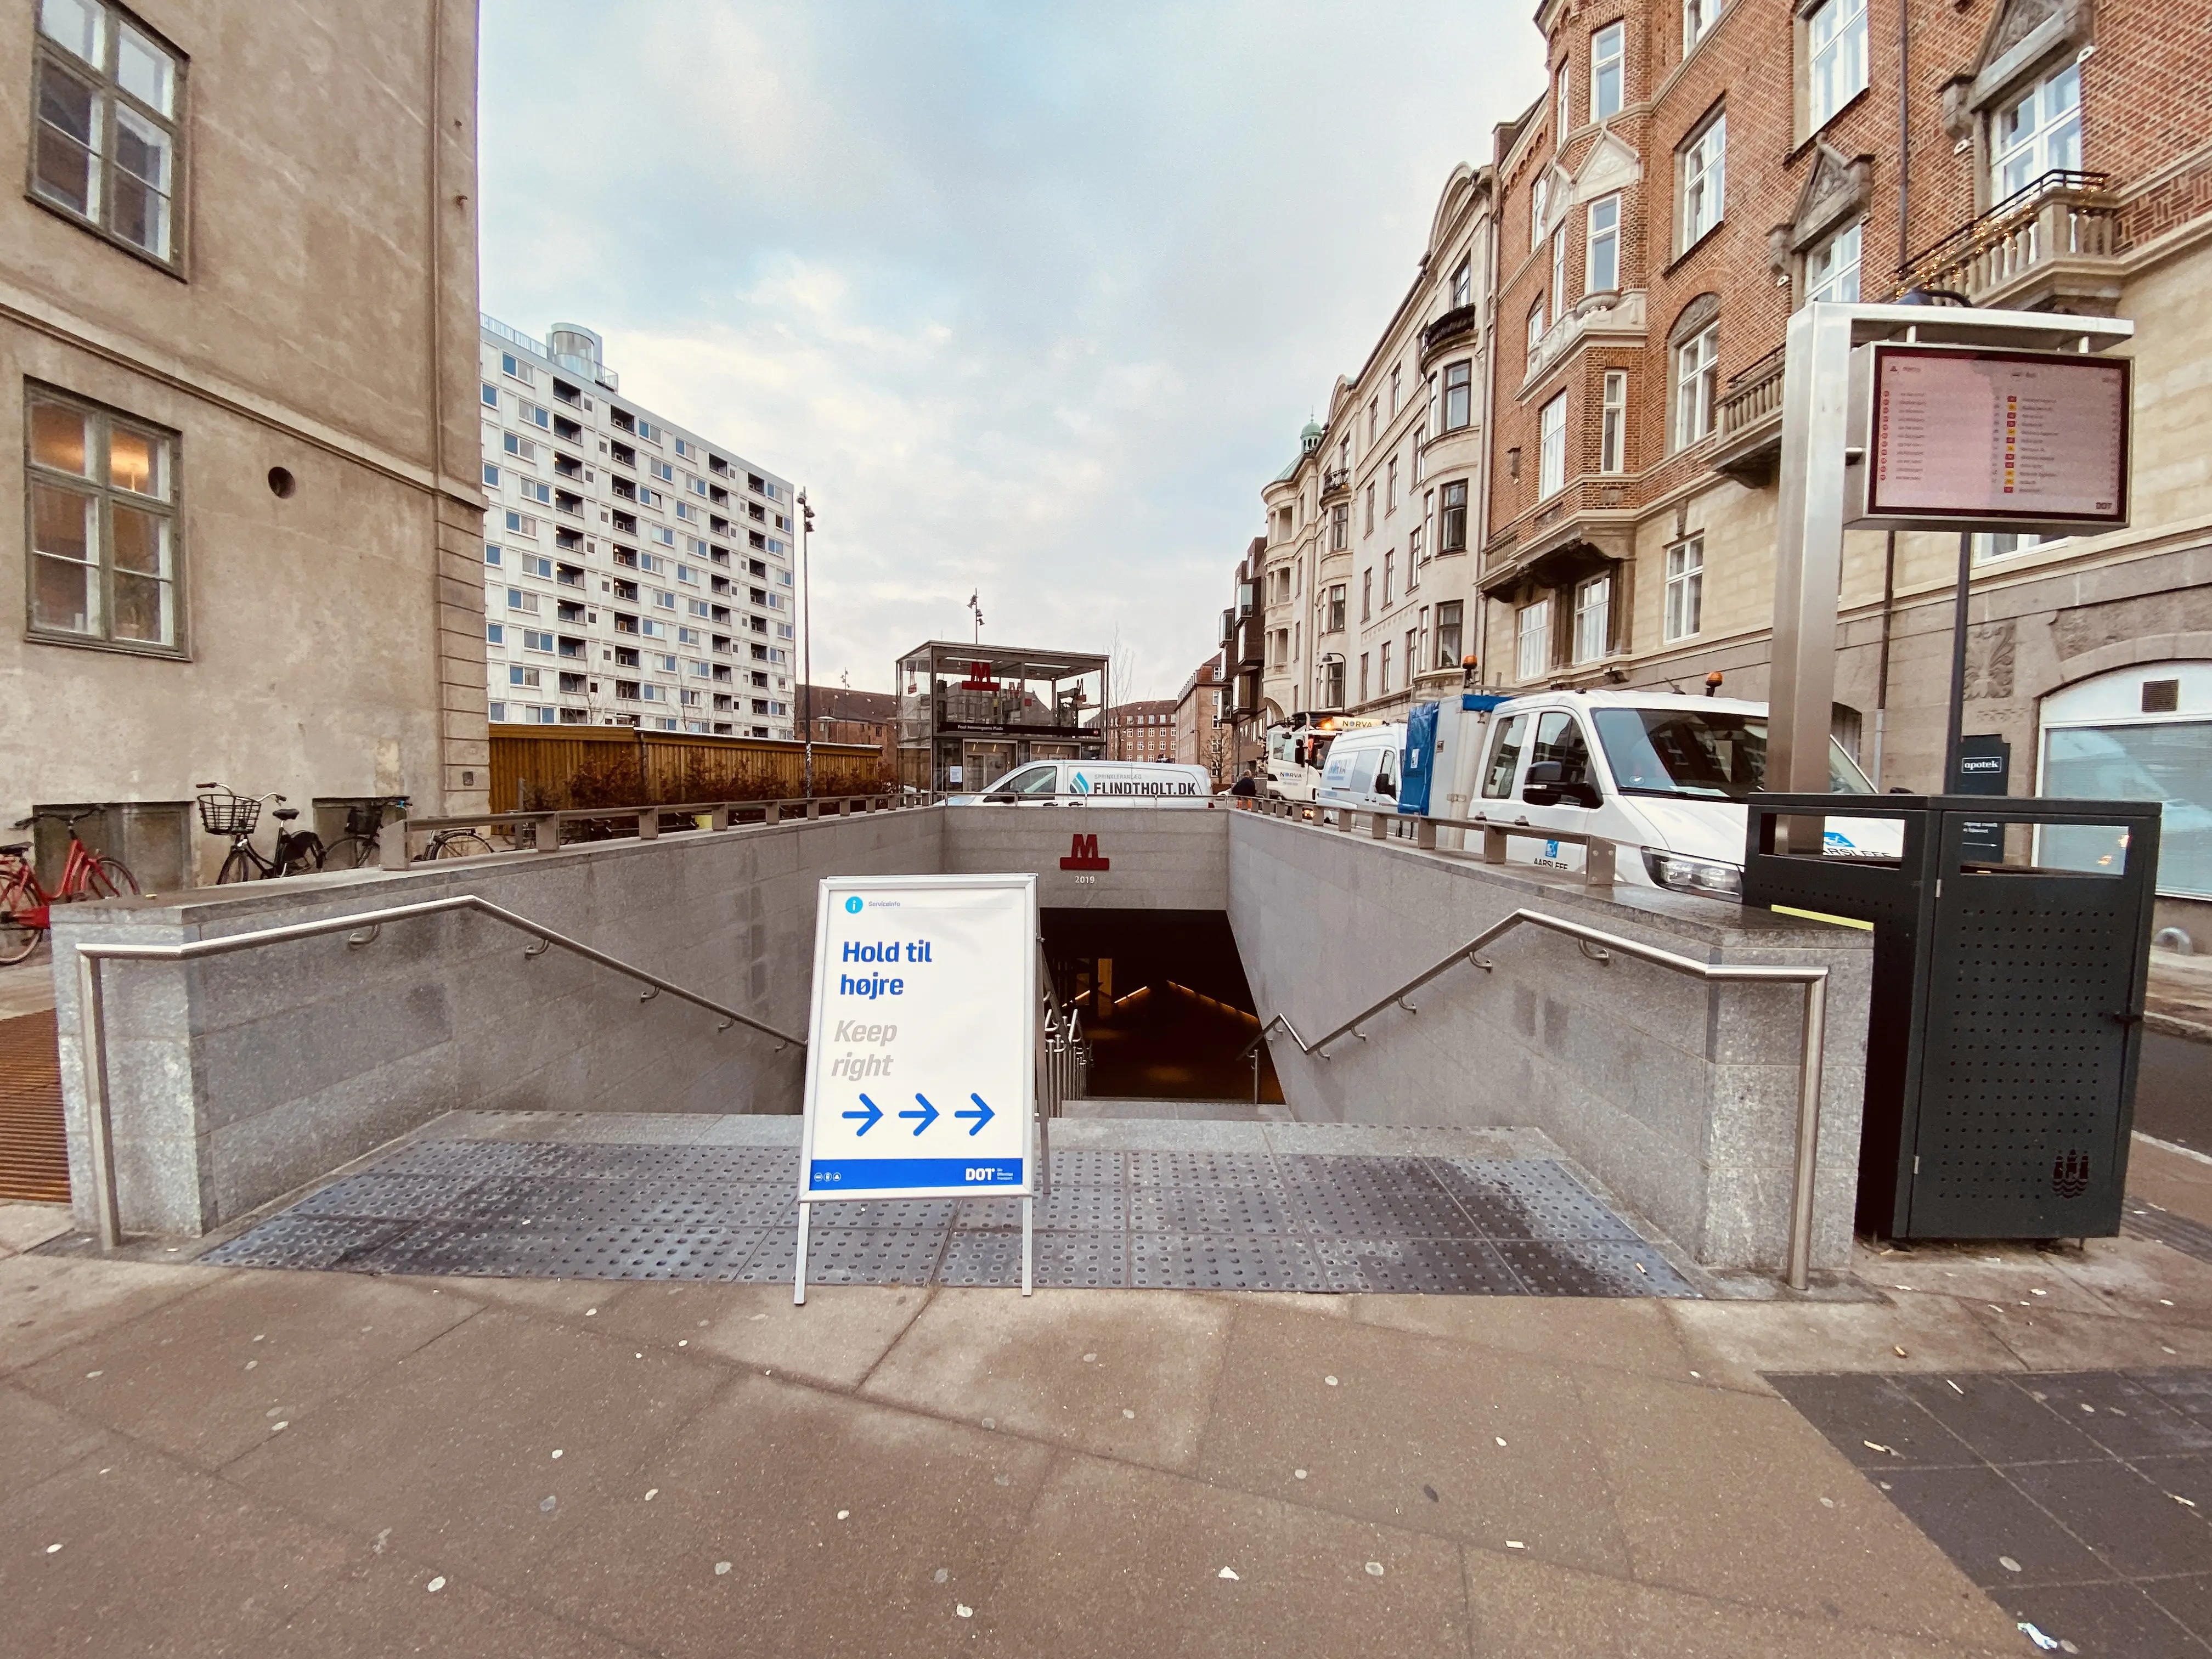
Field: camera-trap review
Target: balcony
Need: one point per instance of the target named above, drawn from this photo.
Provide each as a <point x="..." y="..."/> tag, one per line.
<point x="2052" y="245"/>
<point x="1748" y="419"/>
<point x="1610" y="317"/>
<point x="1335" y="480"/>
<point x="1460" y="324"/>
<point x="568" y="431"/>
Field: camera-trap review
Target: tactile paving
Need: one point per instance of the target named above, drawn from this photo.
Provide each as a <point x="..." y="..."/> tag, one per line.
<point x="1183" y="1220"/>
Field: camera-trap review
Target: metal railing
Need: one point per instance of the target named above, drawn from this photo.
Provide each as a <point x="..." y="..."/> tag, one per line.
<point x="1599" y="946"/>
<point x="1599" y="855"/>
<point x="545" y="826"/>
<point x="360" y="929"/>
<point x="1064" y="1059"/>
<point x="1751" y="395"/>
<point x="2061" y="213"/>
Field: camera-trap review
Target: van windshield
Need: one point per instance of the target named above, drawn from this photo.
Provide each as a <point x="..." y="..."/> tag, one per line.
<point x="1706" y="756"/>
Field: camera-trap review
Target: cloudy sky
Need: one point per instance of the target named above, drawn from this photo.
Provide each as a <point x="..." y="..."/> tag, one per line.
<point x="1031" y="297"/>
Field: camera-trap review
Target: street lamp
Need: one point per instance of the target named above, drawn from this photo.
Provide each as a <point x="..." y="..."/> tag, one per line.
<point x="806" y="633"/>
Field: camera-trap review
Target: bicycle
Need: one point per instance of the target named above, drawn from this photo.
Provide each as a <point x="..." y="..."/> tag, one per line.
<point x="358" y="848"/>
<point x="26" y="907"/>
<point x="224" y="812"/>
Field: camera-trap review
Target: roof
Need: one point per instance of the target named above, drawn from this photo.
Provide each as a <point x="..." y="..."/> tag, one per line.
<point x="1016" y="661"/>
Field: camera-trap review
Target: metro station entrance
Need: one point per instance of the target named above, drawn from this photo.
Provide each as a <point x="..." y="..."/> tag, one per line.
<point x="1167" y="1013"/>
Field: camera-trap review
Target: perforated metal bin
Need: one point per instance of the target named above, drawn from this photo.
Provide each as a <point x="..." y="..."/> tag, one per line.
<point x="2007" y="1003"/>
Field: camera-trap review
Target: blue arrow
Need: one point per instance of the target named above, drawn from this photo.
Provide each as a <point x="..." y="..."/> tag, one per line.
<point x="983" y="1115"/>
<point x="873" y="1116"/>
<point x="927" y="1114"/>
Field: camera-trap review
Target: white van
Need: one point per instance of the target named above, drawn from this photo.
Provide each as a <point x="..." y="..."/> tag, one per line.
<point x="1363" y="768"/>
<point x="1663" y="777"/>
<point x="1297" y="754"/>
<point x="1097" y="783"/>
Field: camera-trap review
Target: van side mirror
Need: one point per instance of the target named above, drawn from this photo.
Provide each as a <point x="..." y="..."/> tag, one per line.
<point x="1386" y="785"/>
<point x="1546" y="786"/>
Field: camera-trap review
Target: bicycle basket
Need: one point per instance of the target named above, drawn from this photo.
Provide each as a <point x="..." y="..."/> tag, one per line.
<point x="224" y="812"/>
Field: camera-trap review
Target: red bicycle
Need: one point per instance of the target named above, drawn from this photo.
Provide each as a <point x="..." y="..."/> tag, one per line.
<point x="25" y="906"/>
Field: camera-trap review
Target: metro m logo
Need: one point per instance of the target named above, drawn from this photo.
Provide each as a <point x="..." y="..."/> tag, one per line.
<point x="1083" y="854"/>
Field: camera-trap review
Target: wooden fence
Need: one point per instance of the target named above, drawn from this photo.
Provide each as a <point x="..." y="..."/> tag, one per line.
<point x="560" y="768"/>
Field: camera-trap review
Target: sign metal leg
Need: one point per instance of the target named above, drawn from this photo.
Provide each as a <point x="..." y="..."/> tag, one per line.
<point x="1028" y="1227"/>
<point x="799" y="1273"/>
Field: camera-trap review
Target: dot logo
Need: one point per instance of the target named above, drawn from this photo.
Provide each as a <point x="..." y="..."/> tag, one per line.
<point x="853" y="905"/>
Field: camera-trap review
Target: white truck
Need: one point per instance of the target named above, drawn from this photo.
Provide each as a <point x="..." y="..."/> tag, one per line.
<point x="1663" y="777"/>
<point x="1297" y="753"/>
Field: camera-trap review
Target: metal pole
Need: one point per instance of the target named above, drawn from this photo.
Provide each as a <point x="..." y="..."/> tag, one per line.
<point x="1954" y="732"/>
<point x="799" y="1273"/>
<point x="1028" y="1222"/>
<point x="107" y="1217"/>
<point x="1806" y="1159"/>
<point x="806" y="633"/>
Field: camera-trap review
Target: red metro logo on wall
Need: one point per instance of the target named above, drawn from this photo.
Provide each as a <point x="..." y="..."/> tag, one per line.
<point x="1083" y="854"/>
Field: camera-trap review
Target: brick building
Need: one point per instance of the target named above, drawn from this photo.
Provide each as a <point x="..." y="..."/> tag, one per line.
<point x="1141" y="731"/>
<point x="1204" y="734"/>
<point x="1668" y="201"/>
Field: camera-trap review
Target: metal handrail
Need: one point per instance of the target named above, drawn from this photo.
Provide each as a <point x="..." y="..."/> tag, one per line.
<point x="1598" y="945"/>
<point x="1599" y="863"/>
<point x="361" y="929"/>
<point x="721" y="815"/>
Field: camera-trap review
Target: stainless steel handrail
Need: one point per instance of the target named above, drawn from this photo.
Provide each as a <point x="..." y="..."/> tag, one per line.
<point x="1599" y="944"/>
<point x="361" y="929"/>
<point x="1600" y="862"/>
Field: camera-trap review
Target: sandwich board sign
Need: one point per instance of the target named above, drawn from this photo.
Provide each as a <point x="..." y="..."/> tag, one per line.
<point x="921" y="1045"/>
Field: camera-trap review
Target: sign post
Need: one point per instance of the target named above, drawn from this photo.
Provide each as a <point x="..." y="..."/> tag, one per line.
<point x="1918" y="417"/>
<point x="921" y="1050"/>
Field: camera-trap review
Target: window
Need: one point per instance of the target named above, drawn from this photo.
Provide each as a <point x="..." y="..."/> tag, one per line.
<point x="532" y="413"/>
<point x="1563" y="115"/>
<point x="518" y="675"/>
<point x="1332" y="684"/>
<point x="497" y="714"/>
<point x="1370" y="529"/>
<point x="1535" y="328"/>
<point x="534" y="641"/>
<point x="1462" y="283"/>
<point x="1532" y="639"/>
<point x="534" y="566"/>
<point x="1698" y="16"/>
<point x="490" y="395"/>
<point x="1420" y="437"/>
<point x="534" y="491"/>
<point x="1390" y="488"/>
<point x="1412" y="654"/>
<point x="1607" y="47"/>
<point x="1593" y="617"/>
<point x="1448" y="633"/>
<point x="514" y="368"/>
<point x="1836" y="32"/>
<point x="1459" y="395"/>
<point x="1831" y="269"/>
<point x="2039" y="133"/>
<point x="1552" y="455"/>
<point x="1686" y="588"/>
<point x="491" y="553"/>
<point x="1601" y="247"/>
<point x="521" y="603"/>
<point x="1374" y="414"/>
<point x="1560" y="274"/>
<point x="1697" y="383"/>
<point x="1396" y="374"/>
<point x="659" y="469"/>
<point x="2004" y="544"/>
<point x="1362" y="677"/>
<point x="1415" y="557"/>
<point x="1539" y="200"/>
<point x="491" y="476"/>
<point x="1702" y="168"/>
<point x="1612" y="444"/>
<point x="1336" y="608"/>
<point x="103" y="527"/>
<point x="1366" y="597"/>
<point x="1452" y="532"/>
<point x="1505" y="759"/>
<point x="1389" y="568"/>
<point x="1383" y="670"/>
<point x="661" y="533"/>
<point x="494" y="633"/>
<point x="104" y="141"/>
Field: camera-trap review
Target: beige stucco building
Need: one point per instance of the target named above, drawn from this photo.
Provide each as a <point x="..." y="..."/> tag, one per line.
<point x="238" y="334"/>
<point x="1362" y="591"/>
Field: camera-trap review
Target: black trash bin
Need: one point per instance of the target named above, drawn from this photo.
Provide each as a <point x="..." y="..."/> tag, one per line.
<point x="2007" y="1003"/>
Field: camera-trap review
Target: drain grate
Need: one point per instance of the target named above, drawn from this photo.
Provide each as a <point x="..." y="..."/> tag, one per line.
<point x="1166" y="1220"/>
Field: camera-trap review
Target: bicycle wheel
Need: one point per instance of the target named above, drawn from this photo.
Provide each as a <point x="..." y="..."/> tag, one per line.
<point x="304" y="855"/>
<point x="350" y="853"/>
<point x="458" y="844"/>
<point x="110" y="879"/>
<point x="238" y="867"/>
<point x="18" y="939"/>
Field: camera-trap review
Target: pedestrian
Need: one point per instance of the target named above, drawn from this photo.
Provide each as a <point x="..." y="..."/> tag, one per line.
<point x="1248" y="787"/>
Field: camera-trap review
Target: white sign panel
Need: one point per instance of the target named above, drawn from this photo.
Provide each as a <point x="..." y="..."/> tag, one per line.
<point x="1984" y="437"/>
<point x="922" y="1049"/>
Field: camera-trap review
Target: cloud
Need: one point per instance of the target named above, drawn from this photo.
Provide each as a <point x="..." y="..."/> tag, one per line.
<point x="1031" y="298"/>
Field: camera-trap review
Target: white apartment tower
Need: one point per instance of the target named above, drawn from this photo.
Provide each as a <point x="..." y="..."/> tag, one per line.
<point x="635" y="574"/>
